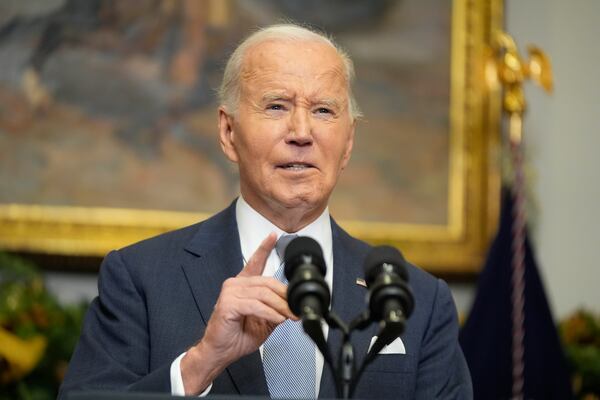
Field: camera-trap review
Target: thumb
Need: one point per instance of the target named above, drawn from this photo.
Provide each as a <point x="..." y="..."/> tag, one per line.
<point x="256" y="264"/>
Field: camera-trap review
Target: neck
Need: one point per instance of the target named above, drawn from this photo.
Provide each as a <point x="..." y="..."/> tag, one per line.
<point x="288" y="219"/>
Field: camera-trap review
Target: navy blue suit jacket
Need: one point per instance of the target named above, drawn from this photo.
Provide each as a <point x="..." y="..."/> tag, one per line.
<point x="156" y="296"/>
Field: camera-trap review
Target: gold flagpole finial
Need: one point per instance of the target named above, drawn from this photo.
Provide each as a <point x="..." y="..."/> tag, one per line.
<point x="507" y="69"/>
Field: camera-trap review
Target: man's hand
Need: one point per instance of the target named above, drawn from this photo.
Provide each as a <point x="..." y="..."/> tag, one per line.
<point x="249" y="307"/>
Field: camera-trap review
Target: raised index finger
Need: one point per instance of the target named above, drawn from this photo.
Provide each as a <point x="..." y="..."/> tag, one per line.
<point x="256" y="264"/>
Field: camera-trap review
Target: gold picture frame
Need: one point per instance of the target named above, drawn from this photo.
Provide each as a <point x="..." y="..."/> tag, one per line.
<point x="458" y="247"/>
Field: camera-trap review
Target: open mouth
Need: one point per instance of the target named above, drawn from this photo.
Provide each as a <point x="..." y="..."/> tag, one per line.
<point x="295" y="166"/>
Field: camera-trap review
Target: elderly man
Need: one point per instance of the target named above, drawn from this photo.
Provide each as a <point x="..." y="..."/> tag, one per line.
<point x="199" y="311"/>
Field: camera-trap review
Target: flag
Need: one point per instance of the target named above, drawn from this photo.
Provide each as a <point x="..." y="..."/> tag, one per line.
<point x="486" y="336"/>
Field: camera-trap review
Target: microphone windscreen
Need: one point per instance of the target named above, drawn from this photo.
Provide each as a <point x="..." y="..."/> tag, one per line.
<point x="384" y="255"/>
<point x="303" y="246"/>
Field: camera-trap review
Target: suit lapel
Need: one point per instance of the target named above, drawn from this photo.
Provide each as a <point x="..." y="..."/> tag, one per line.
<point x="215" y="255"/>
<point x="348" y="300"/>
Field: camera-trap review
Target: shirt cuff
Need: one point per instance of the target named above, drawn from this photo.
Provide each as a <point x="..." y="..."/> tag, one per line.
<point x="177" y="388"/>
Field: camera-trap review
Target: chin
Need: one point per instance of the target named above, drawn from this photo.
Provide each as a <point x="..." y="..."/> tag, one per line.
<point x="305" y="200"/>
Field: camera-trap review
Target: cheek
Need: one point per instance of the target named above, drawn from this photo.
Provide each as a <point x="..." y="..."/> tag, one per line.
<point x="336" y="155"/>
<point x="260" y="144"/>
<point x="253" y="154"/>
<point x="258" y="162"/>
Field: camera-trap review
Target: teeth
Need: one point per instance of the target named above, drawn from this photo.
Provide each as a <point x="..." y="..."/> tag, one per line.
<point x="296" y="166"/>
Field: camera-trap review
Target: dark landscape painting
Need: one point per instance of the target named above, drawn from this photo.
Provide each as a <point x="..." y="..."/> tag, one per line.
<point x="111" y="103"/>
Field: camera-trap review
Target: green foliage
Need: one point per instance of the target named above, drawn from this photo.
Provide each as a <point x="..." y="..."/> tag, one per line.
<point x="27" y="309"/>
<point x="581" y="338"/>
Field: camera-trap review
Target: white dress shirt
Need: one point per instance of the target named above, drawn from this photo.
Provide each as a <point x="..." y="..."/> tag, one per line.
<point x="253" y="229"/>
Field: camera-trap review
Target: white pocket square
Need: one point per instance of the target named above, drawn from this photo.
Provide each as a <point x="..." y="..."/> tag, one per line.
<point x="396" y="347"/>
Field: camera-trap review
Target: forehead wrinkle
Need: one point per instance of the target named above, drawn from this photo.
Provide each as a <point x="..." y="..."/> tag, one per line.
<point x="335" y="71"/>
<point x="268" y="83"/>
<point x="332" y="77"/>
<point x="328" y="91"/>
<point x="330" y="88"/>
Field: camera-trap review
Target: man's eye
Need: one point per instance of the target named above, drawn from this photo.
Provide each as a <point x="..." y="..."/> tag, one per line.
<point x="275" y="107"/>
<point x="323" y="110"/>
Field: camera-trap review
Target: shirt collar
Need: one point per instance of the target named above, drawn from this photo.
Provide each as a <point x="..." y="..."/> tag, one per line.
<point x="254" y="228"/>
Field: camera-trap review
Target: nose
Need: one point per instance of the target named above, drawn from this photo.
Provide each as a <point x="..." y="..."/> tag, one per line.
<point x="300" y="130"/>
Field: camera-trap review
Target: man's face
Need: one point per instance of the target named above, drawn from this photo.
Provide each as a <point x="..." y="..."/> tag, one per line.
<point x="292" y="133"/>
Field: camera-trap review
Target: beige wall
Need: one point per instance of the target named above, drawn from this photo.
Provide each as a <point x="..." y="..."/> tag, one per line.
<point x="563" y="144"/>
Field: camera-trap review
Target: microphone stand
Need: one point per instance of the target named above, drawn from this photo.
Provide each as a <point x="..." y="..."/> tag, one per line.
<point x="343" y="376"/>
<point x="346" y="363"/>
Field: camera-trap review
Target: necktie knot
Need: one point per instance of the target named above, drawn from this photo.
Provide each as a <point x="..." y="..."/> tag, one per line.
<point x="282" y="244"/>
<point x="280" y="247"/>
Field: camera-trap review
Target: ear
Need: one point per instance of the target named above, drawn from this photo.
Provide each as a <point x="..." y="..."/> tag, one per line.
<point x="349" y="145"/>
<point x="227" y="135"/>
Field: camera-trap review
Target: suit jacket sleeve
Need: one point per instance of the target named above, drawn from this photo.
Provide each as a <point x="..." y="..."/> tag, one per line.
<point x="442" y="370"/>
<point x="113" y="350"/>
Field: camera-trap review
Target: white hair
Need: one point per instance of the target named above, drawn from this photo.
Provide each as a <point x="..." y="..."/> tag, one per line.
<point x="229" y="91"/>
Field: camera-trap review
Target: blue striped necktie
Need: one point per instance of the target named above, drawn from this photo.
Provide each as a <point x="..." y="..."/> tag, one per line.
<point x="288" y="353"/>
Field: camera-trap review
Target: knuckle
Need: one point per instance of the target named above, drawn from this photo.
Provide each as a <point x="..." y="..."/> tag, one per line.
<point x="228" y="284"/>
<point x="263" y="295"/>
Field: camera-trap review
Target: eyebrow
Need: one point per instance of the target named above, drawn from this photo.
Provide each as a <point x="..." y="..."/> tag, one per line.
<point x="331" y="103"/>
<point x="275" y="96"/>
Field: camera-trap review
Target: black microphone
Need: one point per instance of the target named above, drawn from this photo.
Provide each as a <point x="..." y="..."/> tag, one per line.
<point x="390" y="299"/>
<point x="308" y="293"/>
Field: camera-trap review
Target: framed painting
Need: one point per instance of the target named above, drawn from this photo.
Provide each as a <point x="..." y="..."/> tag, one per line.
<point x="108" y="121"/>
